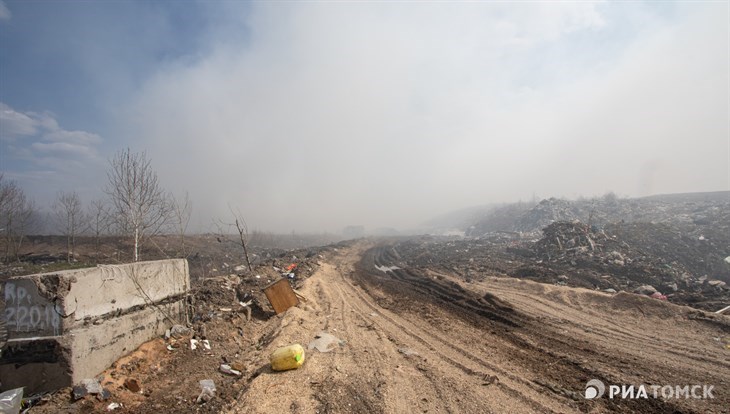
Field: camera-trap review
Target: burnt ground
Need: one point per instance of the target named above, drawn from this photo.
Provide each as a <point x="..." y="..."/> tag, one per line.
<point x="630" y="257"/>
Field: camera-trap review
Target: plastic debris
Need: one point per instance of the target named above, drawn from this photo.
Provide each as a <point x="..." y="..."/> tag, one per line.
<point x="193" y="344"/>
<point x="104" y="395"/>
<point x="407" y="352"/>
<point x="324" y="342"/>
<point x="11" y="400"/>
<point x="113" y="406"/>
<point x="206" y="344"/>
<point x="179" y="331"/>
<point x="288" y="357"/>
<point x="207" y="391"/>
<point x="227" y="369"/>
<point x="645" y="290"/>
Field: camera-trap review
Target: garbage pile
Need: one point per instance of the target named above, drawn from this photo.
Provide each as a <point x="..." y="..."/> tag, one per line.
<point x="546" y="212"/>
<point x="569" y="245"/>
<point x="691" y="213"/>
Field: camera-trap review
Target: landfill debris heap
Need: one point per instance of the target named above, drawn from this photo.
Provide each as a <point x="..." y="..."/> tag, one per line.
<point x="672" y="247"/>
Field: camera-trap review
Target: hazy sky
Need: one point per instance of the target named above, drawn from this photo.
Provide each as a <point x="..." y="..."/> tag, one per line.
<point x="314" y="115"/>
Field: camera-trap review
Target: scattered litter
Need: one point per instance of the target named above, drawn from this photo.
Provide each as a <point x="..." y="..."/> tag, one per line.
<point x="104" y="395"/>
<point x="324" y="342"/>
<point x="170" y="348"/>
<point x="645" y="290"/>
<point x="258" y="276"/>
<point x="226" y="309"/>
<point x="288" y="357"/>
<point x="193" y="344"/>
<point x="11" y="400"/>
<point x="227" y="369"/>
<point x="207" y="391"/>
<point x="657" y="295"/>
<point x="291" y="267"/>
<point x="113" y="406"/>
<point x="206" y="344"/>
<point x="179" y="331"/>
<point x="385" y="269"/>
<point x="281" y="296"/>
<point x="610" y="290"/>
<point x="723" y="310"/>
<point x="91" y="385"/>
<point x="407" y="352"/>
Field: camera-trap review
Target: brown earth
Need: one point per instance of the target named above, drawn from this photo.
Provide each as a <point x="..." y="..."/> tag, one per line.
<point x="427" y="341"/>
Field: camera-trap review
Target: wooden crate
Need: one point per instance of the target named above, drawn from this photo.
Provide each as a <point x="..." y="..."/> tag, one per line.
<point x="281" y="295"/>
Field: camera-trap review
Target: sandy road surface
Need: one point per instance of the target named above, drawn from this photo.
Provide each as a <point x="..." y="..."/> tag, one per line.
<point x="419" y="341"/>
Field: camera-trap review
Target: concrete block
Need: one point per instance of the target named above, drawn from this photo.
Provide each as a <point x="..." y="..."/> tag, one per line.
<point x="71" y="325"/>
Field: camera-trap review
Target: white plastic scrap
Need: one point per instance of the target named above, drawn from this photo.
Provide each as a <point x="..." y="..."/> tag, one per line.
<point x="207" y="392"/>
<point x="226" y="369"/>
<point x="10" y="401"/>
<point x="193" y="344"/>
<point x="325" y="342"/>
<point x="114" y="406"/>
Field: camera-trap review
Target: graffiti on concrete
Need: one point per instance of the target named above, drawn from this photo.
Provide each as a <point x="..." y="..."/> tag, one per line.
<point x="27" y="312"/>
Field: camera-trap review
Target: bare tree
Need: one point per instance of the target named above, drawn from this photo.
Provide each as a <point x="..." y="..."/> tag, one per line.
<point x="70" y="216"/>
<point x="181" y="209"/>
<point x="98" y="218"/>
<point x="241" y="227"/>
<point x="140" y="206"/>
<point x="16" y="214"/>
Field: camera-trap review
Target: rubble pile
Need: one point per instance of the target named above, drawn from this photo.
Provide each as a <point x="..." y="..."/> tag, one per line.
<point x="570" y="245"/>
<point x="700" y="212"/>
<point x="674" y="247"/>
<point x="546" y="212"/>
<point x="201" y="364"/>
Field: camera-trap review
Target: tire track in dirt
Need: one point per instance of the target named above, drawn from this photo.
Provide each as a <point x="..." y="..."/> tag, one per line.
<point x="470" y="365"/>
<point x="385" y="351"/>
<point x="539" y="345"/>
<point x="421" y="344"/>
<point x="588" y="322"/>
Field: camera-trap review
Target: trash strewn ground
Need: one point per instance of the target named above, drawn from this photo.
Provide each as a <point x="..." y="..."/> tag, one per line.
<point x="449" y="324"/>
<point x="417" y="338"/>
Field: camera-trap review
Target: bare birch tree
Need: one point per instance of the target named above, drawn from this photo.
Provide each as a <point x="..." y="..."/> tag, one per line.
<point x="98" y="218"/>
<point x="69" y="215"/>
<point x="181" y="209"/>
<point x="16" y="213"/>
<point x="140" y="206"/>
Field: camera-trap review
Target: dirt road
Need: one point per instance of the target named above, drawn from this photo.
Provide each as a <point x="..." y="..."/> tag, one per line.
<point x="428" y="342"/>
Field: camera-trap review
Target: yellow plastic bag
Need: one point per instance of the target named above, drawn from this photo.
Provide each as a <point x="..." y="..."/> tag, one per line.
<point x="288" y="357"/>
